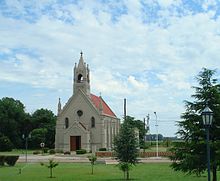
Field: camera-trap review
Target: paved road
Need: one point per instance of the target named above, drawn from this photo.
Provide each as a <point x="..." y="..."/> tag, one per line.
<point x="83" y="159"/>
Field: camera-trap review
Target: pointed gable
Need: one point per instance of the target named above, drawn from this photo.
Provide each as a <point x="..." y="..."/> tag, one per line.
<point x="106" y="109"/>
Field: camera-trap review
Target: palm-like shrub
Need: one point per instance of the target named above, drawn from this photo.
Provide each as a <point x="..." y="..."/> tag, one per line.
<point x="92" y="159"/>
<point x="52" y="164"/>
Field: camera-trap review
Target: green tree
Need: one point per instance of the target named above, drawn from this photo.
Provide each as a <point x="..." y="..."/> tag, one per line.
<point x="126" y="146"/>
<point x="92" y="159"/>
<point x="141" y="128"/>
<point x="12" y="116"/>
<point x="44" y="118"/>
<point x="190" y="155"/>
<point x="37" y="137"/>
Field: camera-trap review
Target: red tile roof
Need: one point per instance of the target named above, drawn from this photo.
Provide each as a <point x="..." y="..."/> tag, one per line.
<point x="106" y="109"/>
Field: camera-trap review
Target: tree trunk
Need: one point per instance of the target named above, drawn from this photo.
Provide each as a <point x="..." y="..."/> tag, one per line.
<point x="127" y="174"/>
<point x="51" y="173"/>
<point x="214" y="172"/>
<point x="92" y="169"/>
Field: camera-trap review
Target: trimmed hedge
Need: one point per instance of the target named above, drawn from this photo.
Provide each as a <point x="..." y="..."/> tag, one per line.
<point x="82" y="151"/>
<point x="67" y="153"/>
<point x="2" y="160"/>
<point x="9" y="159"/>
<point x="102" y="149"/>
<point x="36" y="152"/>
<point x="52" y="151"/>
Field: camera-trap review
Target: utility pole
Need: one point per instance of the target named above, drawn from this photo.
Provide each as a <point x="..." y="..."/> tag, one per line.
<point x="124" y="109"/>
<point x="148" y="127"/>
<point x="156" y="134"/>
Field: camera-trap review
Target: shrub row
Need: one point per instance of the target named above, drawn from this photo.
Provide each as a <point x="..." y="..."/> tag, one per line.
<point x="9" y="159"/>
<point x="51" y="152"/>
<point x="82" y="151"/>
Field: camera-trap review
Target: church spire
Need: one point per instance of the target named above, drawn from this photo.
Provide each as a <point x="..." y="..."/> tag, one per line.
<point x="59" y="107"/>
<point x="81" y="61"/>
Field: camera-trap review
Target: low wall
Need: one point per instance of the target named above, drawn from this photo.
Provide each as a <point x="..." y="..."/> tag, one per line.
<point x="141" y="154"/>
<point x="104" y="154"/>
<point x="154" y="154"/>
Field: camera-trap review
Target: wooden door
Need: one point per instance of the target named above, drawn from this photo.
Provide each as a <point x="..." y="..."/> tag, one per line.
<point x="75" y="143"/>
<point x="72" y="143"/>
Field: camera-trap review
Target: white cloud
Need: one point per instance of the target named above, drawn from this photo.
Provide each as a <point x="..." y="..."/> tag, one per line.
<point x="42" y="53"/>
<point x="136" y="84"/>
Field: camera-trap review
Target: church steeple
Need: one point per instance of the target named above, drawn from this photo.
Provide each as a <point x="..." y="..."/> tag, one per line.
<point x="81" y="61"/>
<point x="100" y="104"/>
<point x="81" y="76"/>
<point x="59" y="107"/>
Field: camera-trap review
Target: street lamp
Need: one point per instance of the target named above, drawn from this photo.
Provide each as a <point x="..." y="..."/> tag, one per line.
<point x="207" y="116"/>
<point x="26" y="144"/>
<point x="157" y="133"/>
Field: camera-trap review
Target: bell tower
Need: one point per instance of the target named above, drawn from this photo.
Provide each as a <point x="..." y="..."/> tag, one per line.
<point x="81" y="77"/>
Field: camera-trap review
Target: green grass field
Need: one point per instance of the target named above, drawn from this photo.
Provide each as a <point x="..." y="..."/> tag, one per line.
<point x="77" y="172"/>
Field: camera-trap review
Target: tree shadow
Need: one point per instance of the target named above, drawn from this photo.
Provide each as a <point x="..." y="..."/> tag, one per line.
<point x="119" y="179"/>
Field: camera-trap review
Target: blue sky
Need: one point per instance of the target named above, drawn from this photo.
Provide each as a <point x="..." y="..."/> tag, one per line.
<point x="147" y="51"/>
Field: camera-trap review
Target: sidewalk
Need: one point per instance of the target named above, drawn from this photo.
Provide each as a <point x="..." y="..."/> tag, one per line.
<point x="84" y="159"/>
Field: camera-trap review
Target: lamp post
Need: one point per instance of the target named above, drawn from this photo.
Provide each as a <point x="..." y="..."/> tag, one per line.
<point x="207" y="115"/>
<point x="26" y="144"/>
<point x="156" y="134"/>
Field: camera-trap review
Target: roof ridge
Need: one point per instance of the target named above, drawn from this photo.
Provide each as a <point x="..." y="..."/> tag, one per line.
<point x="106" y="108"/>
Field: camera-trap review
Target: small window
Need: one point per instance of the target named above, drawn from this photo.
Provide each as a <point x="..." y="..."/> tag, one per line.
<point x="79" y="113"/>
<point x="92" y="122"/>
<point x="66" y="123"/>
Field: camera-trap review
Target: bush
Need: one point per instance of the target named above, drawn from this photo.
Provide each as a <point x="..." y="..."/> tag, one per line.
<point x="52" y="151"/>
<point x="67" y="153"/>
<point x="146" y="145"/>
<point x="82" y="151"/>
<point x="45" y="150"/>
<point x="11" y="160"/>
<point x="36" y="152"/>
<point x="2" y="160"/>
<point x="102" y="149"/>
<point x="5" y="144"/>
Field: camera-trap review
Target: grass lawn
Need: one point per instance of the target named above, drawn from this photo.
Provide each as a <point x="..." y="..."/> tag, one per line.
<point x="17" y="152"/>
<point x="77" y="172"/>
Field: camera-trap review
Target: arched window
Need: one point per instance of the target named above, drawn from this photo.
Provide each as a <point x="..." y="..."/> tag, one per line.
<point x="92" y="122"/>
<point x="66" y="123"/>
<point x="80" y="78"/>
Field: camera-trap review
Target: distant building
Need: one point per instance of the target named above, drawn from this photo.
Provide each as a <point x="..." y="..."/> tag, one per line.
<point x="153" y="137"/>
<point x="86" y="121"/>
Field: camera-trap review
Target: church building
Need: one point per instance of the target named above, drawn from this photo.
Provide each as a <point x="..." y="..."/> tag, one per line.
<point x="85" y="121"/>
